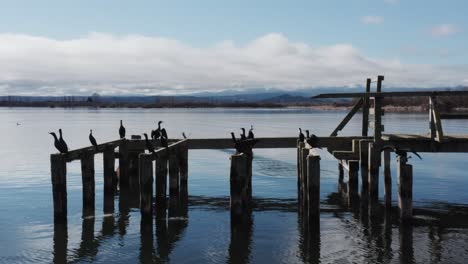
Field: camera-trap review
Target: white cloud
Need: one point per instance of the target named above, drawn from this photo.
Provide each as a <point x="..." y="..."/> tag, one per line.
<point x="444" y="30"/>
<point x="372" y="20"/>
<point x="136" y="64"/>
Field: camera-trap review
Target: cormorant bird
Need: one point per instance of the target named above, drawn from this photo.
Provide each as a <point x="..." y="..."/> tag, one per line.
<point x="183" y="135"/>
<point x="243" y="137"/>
<point x="237" y="146"/>
<point x="307" y="134"/>
<point x="164" y="133"/>
<point x="57" y="144"/>
<point x="163" y="142"/>
<point x="402" y="152"/>
<point x="251" y="134"/>
<point x="301" y="136"/>
<point x="121" y="130"/>
<point x="148" y="144"/>
<point x="155" y="134"/>
<point x="312" y="140"/>
<point x="62" y="142"/>
<point x="92" y="139"/>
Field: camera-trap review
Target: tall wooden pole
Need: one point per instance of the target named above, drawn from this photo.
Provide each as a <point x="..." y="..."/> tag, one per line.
<point x="145" y="167"/>
<point x="87" y="176"/>
<point x="109" y="171"/>
<point x="59" y="186"/>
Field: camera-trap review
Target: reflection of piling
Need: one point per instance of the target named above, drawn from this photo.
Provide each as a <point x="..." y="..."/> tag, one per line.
<point x="241" y="238"/>
<point x="60" y="242"/>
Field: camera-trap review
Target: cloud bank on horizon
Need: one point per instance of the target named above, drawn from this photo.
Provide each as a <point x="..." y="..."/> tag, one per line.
<point x="136" y="64"/>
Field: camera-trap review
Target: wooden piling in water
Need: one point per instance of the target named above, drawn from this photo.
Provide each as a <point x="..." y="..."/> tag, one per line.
<point x="313" y="185"/>
<point x="183" y="169"/>
<point x="87" y="176"/>
<point x="146" y="184"/>
<point x="239" y="182"/>
<point x="304" y="171"/>
<point x="174" y="185"/>
<point x="405" y="188"/>
<point x="387" y="179"/>
<point x="123" y="164"/>
<point x="59" y="186"/>
<point x="353" y="181"/>
<point x="161" y="184"/>
<point x="374" y="164"/>
<point x="109" y="186"/>
<point x="300" y="146"/>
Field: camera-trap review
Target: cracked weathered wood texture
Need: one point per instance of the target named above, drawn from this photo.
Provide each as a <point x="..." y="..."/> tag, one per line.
<point x="239" y="184"/>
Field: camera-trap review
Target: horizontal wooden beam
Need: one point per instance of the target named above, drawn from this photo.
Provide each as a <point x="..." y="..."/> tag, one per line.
<point x="283" y="142"/>
<point x="77" y="153"/>
<point x="422" y="143"/>
<point x="453" y="115"/>
<point x="391" y="94"/>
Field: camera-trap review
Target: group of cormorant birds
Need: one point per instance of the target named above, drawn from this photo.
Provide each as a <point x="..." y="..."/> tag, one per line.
<point x="245" y="143"/>
<point x="158" y="134"/>
<point x="311" y="139"/>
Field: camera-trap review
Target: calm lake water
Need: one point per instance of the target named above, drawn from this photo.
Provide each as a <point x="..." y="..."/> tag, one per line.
<point x="273" y="234"/>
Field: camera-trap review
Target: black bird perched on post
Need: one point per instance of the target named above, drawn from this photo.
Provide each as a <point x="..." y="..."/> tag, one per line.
<point x="121" y="130"/>
<point x="301" y="135"/>
<point x="155" y="134"/>
<point x="148" y="144"/>
<point x="237" y="145"/>
<point x="251" y="134"/>
<point x="402" y="152"/>
<point x="164" y="133"/>
<point x="243" y="137"/>
<point x="92" y="139"/>
<point x="183" y="135"/>
<point x="163" y="141"/>
<point x="312" y="140"/>
<point x="57" y="144"/>
<point x="62" y="142"/>
<point x="307" y="134"/>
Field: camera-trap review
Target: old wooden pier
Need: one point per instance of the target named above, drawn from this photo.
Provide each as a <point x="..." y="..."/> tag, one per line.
<point x="167" y="168"/>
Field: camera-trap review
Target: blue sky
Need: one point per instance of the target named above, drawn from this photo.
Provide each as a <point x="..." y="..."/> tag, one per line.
<point x="430" y="35"/>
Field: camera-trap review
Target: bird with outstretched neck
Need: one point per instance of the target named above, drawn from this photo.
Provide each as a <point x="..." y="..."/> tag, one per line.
<point x="57" y="144"/>
<point x="251" y="134"/>
<point x="62" y="141"/>
<point x="183" y="135"/>
<point x="237" y="146"/>
<point x="243" y="137"/>
<point x="121" y="130"/>
<point x="155" y="134"/>
<point x="92" y="139"/>
<point x="148" y="144"/>
<point x="301" y="135"/>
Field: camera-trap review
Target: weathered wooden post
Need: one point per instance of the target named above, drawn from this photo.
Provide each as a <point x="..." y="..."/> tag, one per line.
<point x="387" y="179"/>
<point x="109" y="171"/>
<point x="87" y="176"/>
<point x="374" y="164"/>
<point x="365" y="110"/>
<point x="305" y="152"/>
<point x="183" y="169"/>
<point x="146" y="184"/>
<point x="161" y="184"/>
<point x="353" y="182"/>
<point x="239" y="181"/>
<point x="405" y="188"/>
<point x="174" y="186"/>
<point x="340" y="177"/>
<point x="123" y="164"/>
<point x="59" y="186"/>
<point x="313" y="184"/>
<point x="300" y="146"/>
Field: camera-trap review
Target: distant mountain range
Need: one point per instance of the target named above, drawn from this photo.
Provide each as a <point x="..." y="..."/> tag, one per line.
<point x="256" y="96"/>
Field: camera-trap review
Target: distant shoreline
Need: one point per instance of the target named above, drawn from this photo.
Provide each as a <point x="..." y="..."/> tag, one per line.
<point x="322" y="107"/>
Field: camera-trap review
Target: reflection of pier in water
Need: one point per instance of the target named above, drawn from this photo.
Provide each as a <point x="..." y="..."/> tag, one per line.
<point x="378" y="231"/>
